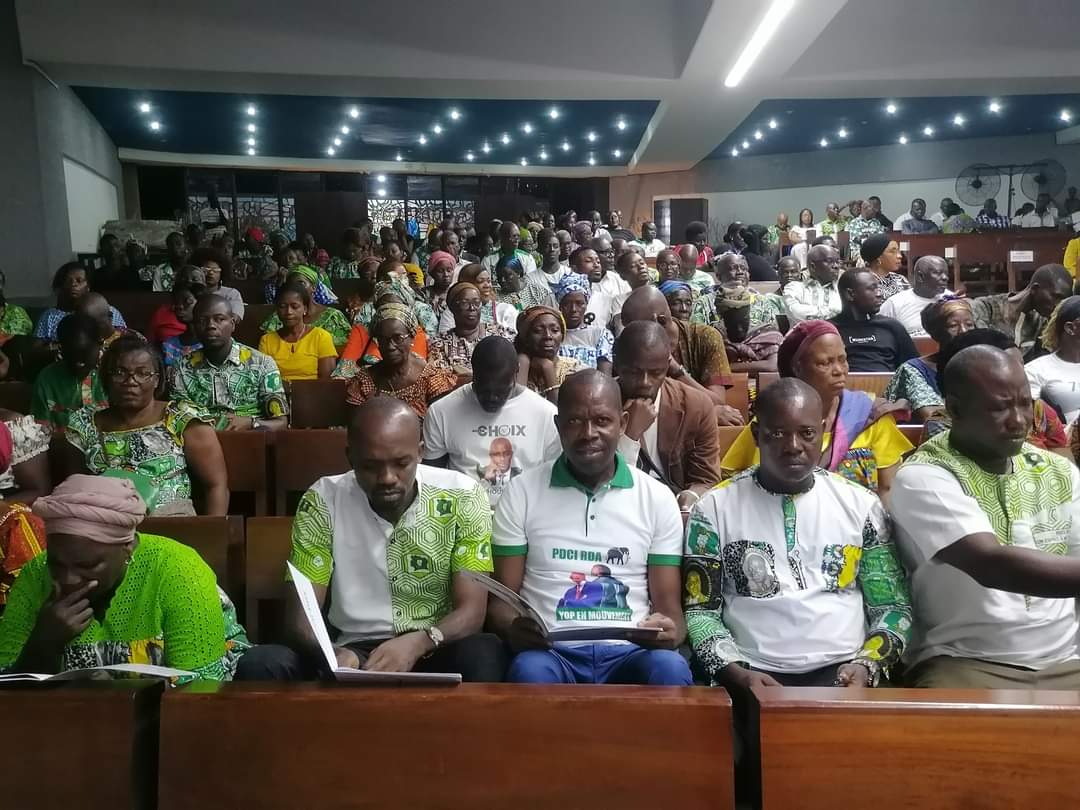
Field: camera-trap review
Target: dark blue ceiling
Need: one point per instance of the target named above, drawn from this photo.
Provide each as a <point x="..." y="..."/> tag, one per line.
<point x="306" y="126"/>
<point x="801" y="124"/>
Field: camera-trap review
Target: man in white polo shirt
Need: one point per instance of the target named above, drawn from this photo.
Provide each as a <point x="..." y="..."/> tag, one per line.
<point x="930" y="279"/>
<point x="590" y="542"/>
<point x="387" y="544"/>
<point x="492" y="429"/>
<point x="989" y="528"/>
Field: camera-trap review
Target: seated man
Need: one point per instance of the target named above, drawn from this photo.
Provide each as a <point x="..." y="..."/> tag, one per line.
<point x="591" y="542"/>
<point x="240" y="386"/>
<point x="670" y="431"/>
<point x="930" y="278"/>
<point x="1023" y="315"/>
<point x="71" y="383"/>
<point x="386" y="543"/>
<point x="817" y="296"/>
<point x="873" y="342"/>
<point x="749" y="349"/>
<point x="94" y="306"/>
<point x="492" y="429"/>
<point x="698" y="357"/>
<point x="988" y="526"/>
<point x="790" y="576"/>
<point x="699" y="280"/>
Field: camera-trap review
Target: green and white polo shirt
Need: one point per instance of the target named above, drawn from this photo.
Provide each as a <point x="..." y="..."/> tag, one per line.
<point x="588" y="553"/>
<point x="390" y="579"/>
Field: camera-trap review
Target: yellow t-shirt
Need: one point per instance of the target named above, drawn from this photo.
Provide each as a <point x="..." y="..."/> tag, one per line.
<point x="882" y="438"/>
<point x="1072" y="253"/>
<point x="300" y="360"/>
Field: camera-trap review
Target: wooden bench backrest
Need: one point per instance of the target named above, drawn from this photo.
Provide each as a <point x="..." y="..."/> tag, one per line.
<point x="738" y="396"/>
<point x="411" y="746"/>
<point x="934" y="748"/>
<point x="248" y="331"/>
<point x="15" y="396"/>
<point x="317" y="404"/>
<point x="301" y="457"/>
<point x="219" y="541"/>
<point x="247" y="464"/>
<point x="269" y="540"/>
<point x="138" y="306"/>
<point x="875" y="382"/>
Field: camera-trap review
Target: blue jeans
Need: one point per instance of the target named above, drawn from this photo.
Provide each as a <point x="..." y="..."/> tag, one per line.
<point x="600" y="663"/>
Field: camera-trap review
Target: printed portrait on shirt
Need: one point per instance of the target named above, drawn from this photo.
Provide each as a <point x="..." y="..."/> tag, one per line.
<point x="751" y="566"/>
<point x="601" y="598"/>
<point x="500" y="469"/>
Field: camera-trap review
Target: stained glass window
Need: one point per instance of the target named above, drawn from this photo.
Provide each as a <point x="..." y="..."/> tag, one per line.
<point x="383" y="211"/>
<point x="258" y="210"/>
<point x="288" y="217"/>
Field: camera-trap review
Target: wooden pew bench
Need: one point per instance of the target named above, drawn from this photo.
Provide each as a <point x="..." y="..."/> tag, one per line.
<point x="476" y="745"/>
<point x="924" y="748"/>
<point x="90" y="745"/>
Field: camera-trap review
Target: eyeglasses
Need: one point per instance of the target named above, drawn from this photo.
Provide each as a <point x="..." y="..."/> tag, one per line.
<point x="397" y="340"/>
<point x="469" y="304"/>
<point x="141" y="377"/>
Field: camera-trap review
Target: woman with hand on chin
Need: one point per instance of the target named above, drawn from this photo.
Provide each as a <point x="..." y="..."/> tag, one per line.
<point x="540" y="333"/>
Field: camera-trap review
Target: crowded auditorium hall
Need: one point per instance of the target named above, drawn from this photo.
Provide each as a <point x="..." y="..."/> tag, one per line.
<point x="703" y="373"/>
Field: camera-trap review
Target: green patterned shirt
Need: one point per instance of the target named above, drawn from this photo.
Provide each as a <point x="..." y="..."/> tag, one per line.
<point x="248" y="383"/>
<point x="386" y="579"/>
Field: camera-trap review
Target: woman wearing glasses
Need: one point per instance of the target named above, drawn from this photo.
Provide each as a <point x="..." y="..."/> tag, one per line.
<point x="159" y="446"/>
<point x="453" y="350"/>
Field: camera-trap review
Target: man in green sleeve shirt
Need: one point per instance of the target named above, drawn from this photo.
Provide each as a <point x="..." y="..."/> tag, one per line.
<point x="71" y="383"/>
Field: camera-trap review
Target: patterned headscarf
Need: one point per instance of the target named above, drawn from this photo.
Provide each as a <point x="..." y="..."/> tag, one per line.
<point x="526" y="318"/>
<point x="393" y="311"/>
<point x="798" y="340"/>
<point x="673" y="285"/>
<point x="573" y="283"/>
<point x="733" y="296"/>
<point x="440" y="257"/>
<point x="933" y="316"/>
<point x="309" y="274"/>
<point x="396" y="287"/>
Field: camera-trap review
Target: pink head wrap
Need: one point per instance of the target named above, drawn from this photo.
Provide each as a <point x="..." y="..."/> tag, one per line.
<point x="438" y="257"/>
<point x="797" y="341"/>
<point x="100" y="508"/>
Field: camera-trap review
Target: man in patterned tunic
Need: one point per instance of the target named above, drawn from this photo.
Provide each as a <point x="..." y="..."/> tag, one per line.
<point x="388" y="544"/>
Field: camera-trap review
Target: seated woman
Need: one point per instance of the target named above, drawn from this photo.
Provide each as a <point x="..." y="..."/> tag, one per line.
<point x="284" y="262"/>
<point x="916" y="380"/>
<point x="592" y="344"/>
<point x="540" y="333"/>
<point x="301" y="351"/>
<point x="1055" y="377"/>
<point x="491" y="311"/>
<point x="359" y="301"/>
<point x="329" y="319"/>
<point x="680" y="298"/>
<point x="748" y="350"/>
<point x="181" y="344"/>
<point x="24" y="477"/>
<point x="394" y="252"/>
<point x="70" y="285"/>
<point x="217" y="266"/>
<point x="362" y="349"/>
<point x="141" y="437"/>
<point x="858" y="442"/>
<point x="105" y="594"/>
<point x="400" y="373"/>
<point x="515" y="289"/>
<point x="353" y="249"/>
<point x="453" y="350"/>
<point x="394" y="273"/>
<point x="441" y="269"/>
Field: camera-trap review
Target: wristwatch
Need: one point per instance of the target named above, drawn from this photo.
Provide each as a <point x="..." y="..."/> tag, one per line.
<point x="255" y="423"/>
<point x="436" y="636"/>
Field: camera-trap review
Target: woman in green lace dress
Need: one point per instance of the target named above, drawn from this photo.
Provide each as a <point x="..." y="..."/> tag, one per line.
<point x="157" y="445"/>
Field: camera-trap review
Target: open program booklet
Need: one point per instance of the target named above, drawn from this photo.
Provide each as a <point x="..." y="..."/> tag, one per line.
<point x="318" y="627"/>
<point x="140" y="670"/>
<point x="523" y="608"/>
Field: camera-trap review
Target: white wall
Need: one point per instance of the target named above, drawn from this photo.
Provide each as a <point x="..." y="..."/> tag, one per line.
<point x="91" y="202"/>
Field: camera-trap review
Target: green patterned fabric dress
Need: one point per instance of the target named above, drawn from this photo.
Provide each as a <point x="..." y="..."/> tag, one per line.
<point x="332" y="320"/>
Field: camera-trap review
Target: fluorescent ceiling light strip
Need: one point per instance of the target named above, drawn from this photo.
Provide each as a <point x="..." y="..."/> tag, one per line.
<point x="765" y="30"/>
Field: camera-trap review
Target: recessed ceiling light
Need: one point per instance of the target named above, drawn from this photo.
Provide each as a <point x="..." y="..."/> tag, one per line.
<point x="734" y="152"/>
<point x="250" y="109"/>
<point x="354" y="112"/>
<point x="1065" y="116"/>
<point x="524" y="162"/>
<point x="928" y="131"/>
<point x="620" y="125"/>
<point x="823" y="143"/>
<point x="337" y="141"/>
<point x="251" y="127"/>
<point x="902" y="140"/>
<point x="890" y="109"/>
<point x="380" y="178"/>
<point x="841" y="133"/>
<point x="527" y="128"/>
<point x="422" y="139"/>
<point x="486" y="148"/>
<point x="505" y="139"/>
<point x="251" y="151"/>
<point x="553" y="113"/>
<point x="381" y="192"/>
<point x="592" y="137"/>
<point x="758" y="134"/>
<point x="565" y="146"/>
<point x="155" y="125"/>
<point x="994" y="107"/>
<point x="398" y="157"/>
<point x="250" y="141"/>
<point x="454" y="114"/>
<point x="746" y="145"/>
<point x="758" y="40"/>
<point x="616" y="153"/>
<point x="330" y="151"/>
<point x="344" y="130"/>
<point x="958" y="120"/>
<point x="470" y="156"/>
<point x="773" y="124"/>
<point x="144" y="106"/>
<point x="592" y="160"/>
<point x="437" y="129"/>
<point x="543" y="154"/>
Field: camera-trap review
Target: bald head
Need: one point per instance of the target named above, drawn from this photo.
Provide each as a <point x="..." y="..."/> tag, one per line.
<point x="930" y="276"/>
<point x="382" y="418"/>
<point x="988" y="397"/>
<point x="94" y="306"/>
<point x="384" y="450"/>
<point x="823" y="262"/>
<point x="787" y="393"/>
<point x="1050" y="285"/>
<point x="975" y="364"/>
<point x="589" y="384"/>
<point x="645" y="304"/>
